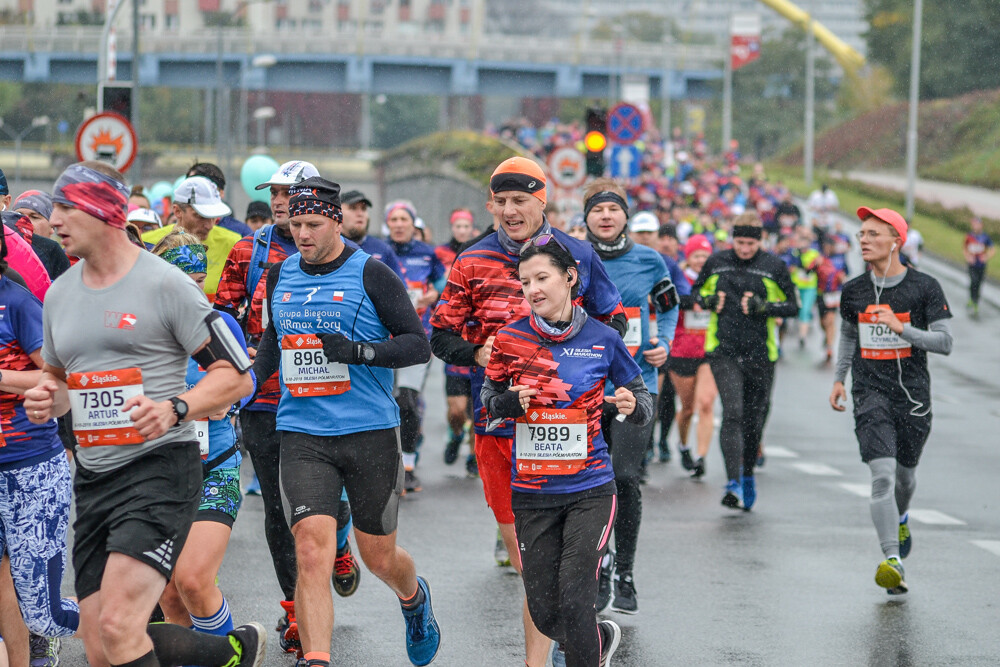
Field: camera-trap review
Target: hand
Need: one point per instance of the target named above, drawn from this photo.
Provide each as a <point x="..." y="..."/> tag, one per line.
<point x="151" y="419"/>
<point x="623" y="399"/>
<point x="752" y="304"/>
<point x="838" y="396"/>
<point x="884" y="315"/>
<point x="428" y="298"/>
<point x="252" y="352"/>
<point x="38" y="402"/>
<point x="721" y="303"/>
<point x="524" y="394"/>
<point x="656" y="356"/>
<point x="339" y="349"/>
<point x="483" y="353"/>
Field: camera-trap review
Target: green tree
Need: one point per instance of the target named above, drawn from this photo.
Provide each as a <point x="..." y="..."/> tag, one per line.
<point x="400" y="118"/>
<point x="634" y="26"/>
<point x="959" y="48"/>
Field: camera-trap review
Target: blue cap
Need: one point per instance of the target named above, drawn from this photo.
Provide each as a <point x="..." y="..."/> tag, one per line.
<point x="4" y="190"/>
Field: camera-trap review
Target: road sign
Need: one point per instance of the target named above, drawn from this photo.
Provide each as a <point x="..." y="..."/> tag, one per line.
<point x="625" y="161"/>
<point x="625" y="124"/>
<point x="568" y="167"/>
<point x="107" y="137"/>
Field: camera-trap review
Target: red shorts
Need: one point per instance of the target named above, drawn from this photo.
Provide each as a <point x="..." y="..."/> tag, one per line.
<point x="494" y="460"/>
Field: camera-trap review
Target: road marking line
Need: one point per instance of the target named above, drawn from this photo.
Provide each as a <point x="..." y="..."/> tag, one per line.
<point x="816" y="469"/>
<point x="993" y="546"/>
<point x="860" y="490"/>
<point x="934" y="517"/>
<point x="779" y="452"/>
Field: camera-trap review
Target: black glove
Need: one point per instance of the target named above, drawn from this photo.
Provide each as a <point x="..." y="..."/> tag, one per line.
<point x="508" y="405"/>
<point x="711" y="302"/>
<point x="756" y="305"/>
<point x="339" y="349"/>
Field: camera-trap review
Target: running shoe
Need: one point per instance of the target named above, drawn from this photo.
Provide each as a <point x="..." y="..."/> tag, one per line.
<point x="905" y="538"/>
<point x="500" y="553"/>
<point x="687" y="462"/>
<point x="451" y="448"/>
<point x="732" y="499"/>
<point x="664" y="451"/>
<point x="611" y="637"/>
<point x="604" y="581"/>
<point x="250" y="642"/>
<point x="699" y="468"/>
<point x="411" y="484"/>
<point x="749" y="492"/>
<point x="471" y="467"/>
<point x="761" y="459"/>
<point x="889" y="575"/>
<point x="346" y="573"/>
<point x="288" y="629"/>
<point x="253" y="488"/>
<point x="423" y="636"/>
<point x="625" y="598"/>
<point x="558" y="655"/>
<point x="44" y="651"/>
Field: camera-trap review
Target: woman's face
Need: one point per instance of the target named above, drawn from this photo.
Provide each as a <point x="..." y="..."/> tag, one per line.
<point x="696" y="260"/>
<point x="546" y="288"/>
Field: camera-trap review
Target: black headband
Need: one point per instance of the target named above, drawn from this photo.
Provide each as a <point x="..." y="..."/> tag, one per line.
<point x="604" y="197"/>
<point x="747" y="231"/>
<point x="510" y="181"/>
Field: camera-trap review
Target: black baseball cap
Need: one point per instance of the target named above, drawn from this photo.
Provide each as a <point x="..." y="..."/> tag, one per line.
<point x="258" y="209"/>
<point x="354" y="197"/>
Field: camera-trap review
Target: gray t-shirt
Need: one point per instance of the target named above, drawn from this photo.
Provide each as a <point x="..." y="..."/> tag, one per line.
<point x="153" y="319"/>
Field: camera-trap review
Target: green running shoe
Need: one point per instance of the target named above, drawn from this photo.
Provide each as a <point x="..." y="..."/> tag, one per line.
<point x="889" y="575"/>
<point x="905" y="539"/>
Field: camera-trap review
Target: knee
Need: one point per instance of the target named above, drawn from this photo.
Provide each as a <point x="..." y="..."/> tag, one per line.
<point x="705" y="405"/>
<point x="312" y="552"/>
<point x="545" y="618"/>
<point x="192" y="585"/>
<point x="406" y="398"/>
<point x="882" y="486"/>
<point x="379" y="562"/>
<point x="118" y="625"/>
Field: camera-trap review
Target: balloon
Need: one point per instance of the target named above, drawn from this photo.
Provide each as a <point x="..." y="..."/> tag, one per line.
<point x="256" y="170"/>
<point x="159" y="190"/>
<point x="180" y="179"/>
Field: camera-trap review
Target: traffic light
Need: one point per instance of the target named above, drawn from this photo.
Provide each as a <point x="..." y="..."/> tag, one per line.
<point x="117" y="98"/>
<point x="596" y="141"/>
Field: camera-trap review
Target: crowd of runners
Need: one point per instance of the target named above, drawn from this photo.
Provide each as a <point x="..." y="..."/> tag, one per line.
<point x="154" y="346"/>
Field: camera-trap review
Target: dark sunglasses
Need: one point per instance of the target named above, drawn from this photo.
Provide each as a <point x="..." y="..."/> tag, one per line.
<point x="541" y="240"/>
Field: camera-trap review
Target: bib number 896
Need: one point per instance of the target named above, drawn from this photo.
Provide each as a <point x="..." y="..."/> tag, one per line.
<point x="309" y="358"/>
<point x="105" y="398"/>
<point x="548" y="433"/>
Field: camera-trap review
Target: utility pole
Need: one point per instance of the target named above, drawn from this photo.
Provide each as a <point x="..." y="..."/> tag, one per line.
<point x="911" y="130"/>
<point x="727" y="97"/>
<point x="135" y="86"/>
<point x="808" y="149"/>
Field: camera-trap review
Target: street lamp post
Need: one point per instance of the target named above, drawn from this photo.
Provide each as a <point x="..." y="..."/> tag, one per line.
<point x="18" y="137"/>
<point x="261" y="115"/>
<point x="911" y="130"/>
<point x="261" y="62"/>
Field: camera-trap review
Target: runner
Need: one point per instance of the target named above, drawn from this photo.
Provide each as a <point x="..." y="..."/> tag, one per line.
<point x="641" y="277"/>
<point x="563" y="498"/>
<point x="356" y="206"/>
<point x="214" y="174"/>
<point x="746" y="288"/>
<point x="337" y="420"/>
<point x="35" y="479"/>
<point x="192" y="597"/>
<point x="666" y="409"/>
<point x="197" y="208"/>
<point x="690" y="373"/>
<point x="457" y="385"/>
<point x="891" y="318"/>
<point x="830" y="280"/>
<point x="978" y="250"/>
<point x="805" y="263"/>
<point x="242" y="290"/>
<point x="258" y="215"/>
<point x="119" y="327"/>
<point x="482" y="295"/>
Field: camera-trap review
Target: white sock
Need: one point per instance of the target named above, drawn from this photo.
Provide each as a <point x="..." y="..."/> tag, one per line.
<point x="409" y="460"/>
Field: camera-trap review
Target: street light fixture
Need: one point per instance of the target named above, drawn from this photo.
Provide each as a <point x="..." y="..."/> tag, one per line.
<point x="18" y="137"/>
<point x="261" y="115"/>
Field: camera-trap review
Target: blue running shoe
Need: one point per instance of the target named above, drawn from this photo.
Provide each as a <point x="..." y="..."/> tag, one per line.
<point x="558" y="656"/>
<point x="423" y="636"/>
<point x="905" y="538"/>
<point x="253" y="488"/>
<point x="732" y="498"/>
<point x="749" y="492"/>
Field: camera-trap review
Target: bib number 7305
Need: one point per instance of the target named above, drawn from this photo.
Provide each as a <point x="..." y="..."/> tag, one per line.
<point x="96" y="400"/>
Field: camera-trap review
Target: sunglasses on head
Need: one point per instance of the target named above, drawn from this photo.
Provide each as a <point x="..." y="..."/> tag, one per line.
<point x="541" y="240"/>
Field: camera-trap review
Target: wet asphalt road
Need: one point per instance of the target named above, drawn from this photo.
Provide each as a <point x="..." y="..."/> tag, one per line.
<point x="790" y="583"/>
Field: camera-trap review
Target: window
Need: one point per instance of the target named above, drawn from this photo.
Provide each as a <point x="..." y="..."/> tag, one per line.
<point x="148" y="21"/>
<point x="172" y="22"/>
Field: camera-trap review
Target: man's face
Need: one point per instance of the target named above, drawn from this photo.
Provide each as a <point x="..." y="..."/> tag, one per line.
<point x="877" y="239"/>
<point x="606" y="221"/>
<point x="400" y="225"/>
<point x="647" y="239"/>
<point x="745" y="248"/>
<point x="38" y="221"/>
<point x="316" y="236"/>
<point x="355" y="220"/>
<point x="255" y="222"/>
<point x="192" y="222"/>
<point x="462" y="230"/>
<point x="668" y="246"/>
<point x="976" y="225"/>
<point x="82" y="235"/>
<point x="279" y="205"/>
<point x="519" y="213"/>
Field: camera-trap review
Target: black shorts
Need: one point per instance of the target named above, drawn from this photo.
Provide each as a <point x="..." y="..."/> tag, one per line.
<point x="143" y="510"/>
<point x="686" y="367"/>
<point x="316" y="468"/>
<point x="886" y="429"/>
<point x="456" y="385"/>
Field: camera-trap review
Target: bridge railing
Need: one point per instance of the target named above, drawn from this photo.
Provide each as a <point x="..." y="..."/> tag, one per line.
<point x="306" y="41"/>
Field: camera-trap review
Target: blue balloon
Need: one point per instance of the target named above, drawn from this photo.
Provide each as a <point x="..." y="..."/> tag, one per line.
<point x="256" y="170"/>
<point x="159" y="190"/>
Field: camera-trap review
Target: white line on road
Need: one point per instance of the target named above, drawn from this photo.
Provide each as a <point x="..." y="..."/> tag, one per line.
<point x="779" y="452"/>
<point x="993" y="546"/>
<point x="934" y="517"/>
<point x="816" y="469"/>
<point x="861" y="490"/>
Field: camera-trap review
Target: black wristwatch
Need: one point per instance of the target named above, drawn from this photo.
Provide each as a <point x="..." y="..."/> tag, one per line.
<point x="180" y="408"/>
<point x="366" y="353"/>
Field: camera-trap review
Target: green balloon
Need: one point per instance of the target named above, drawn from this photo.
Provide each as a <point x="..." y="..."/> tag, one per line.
<point x="256" y="170"/>
<point x="180" y="179"/>
<point x="159" y="190"/>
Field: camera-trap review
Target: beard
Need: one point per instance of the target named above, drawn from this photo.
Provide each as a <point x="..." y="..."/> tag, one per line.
<point x="355" y="234"/>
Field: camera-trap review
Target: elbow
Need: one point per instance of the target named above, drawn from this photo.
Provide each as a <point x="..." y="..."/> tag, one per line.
<point x="946" y="348"/>
<point x="422" y="351"/>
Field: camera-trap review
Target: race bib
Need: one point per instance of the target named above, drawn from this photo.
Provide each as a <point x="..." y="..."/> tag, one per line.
<point x="633" y="335"/>
<point x="306" y="371"/>
<point x="414" y="295"/>
<point x="96" y="400"/>
<point x="201" y="432"/>
<point x="878" y="341"/>
<point x="265" y="319"/>
<point x="551" y="442"/>
<point x="697" y="321"/>
<point x="976" y="248"/>
<point x="831" y="299"/>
